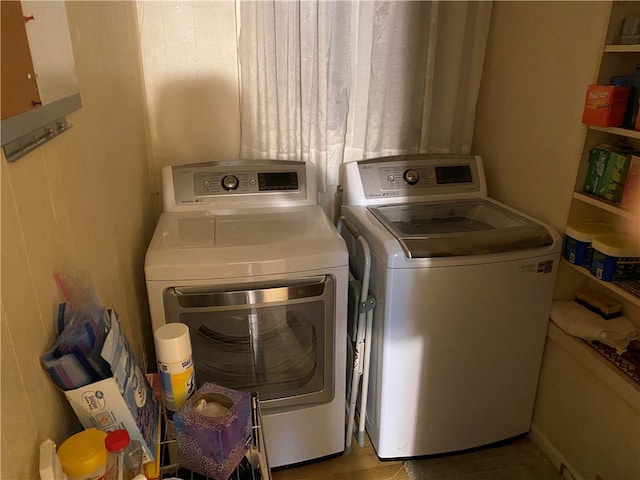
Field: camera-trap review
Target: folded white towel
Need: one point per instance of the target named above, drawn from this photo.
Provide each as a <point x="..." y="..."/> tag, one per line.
<point x="581" y="322"/>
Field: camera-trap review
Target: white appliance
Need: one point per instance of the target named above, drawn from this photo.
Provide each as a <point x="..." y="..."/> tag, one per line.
<point x="463" y="286"/>
<point x="246" y="258"/>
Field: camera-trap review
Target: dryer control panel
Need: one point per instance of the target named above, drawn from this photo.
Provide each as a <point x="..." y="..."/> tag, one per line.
<point x="256" y="183"/>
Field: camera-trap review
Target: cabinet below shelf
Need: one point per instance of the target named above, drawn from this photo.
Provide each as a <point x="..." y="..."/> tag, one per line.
<point x="602" y="204"/>
<point x="627" y="290"/>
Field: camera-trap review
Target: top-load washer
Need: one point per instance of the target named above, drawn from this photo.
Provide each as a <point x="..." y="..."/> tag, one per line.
<point x="463" y="286"/>
<point x="243" y="255"/>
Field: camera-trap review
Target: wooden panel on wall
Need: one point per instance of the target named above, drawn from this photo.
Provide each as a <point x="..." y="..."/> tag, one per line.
<point x="19" y="87"/>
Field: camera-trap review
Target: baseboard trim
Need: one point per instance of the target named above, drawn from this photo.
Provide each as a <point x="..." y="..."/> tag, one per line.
<point x="558" y="460"/>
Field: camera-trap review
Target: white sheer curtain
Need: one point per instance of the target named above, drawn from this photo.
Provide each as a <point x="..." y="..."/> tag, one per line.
<point x="334" y="81"/>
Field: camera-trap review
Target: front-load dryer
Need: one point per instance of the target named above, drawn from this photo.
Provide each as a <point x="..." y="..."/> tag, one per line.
<point x="463" y="286"/>
<point x="246" y="258"/>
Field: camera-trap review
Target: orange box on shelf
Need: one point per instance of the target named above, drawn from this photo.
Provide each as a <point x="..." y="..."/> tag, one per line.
<point x="605" y="105"/>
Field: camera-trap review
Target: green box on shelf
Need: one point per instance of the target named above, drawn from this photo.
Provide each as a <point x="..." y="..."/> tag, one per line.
<point x="611" y="184"/>
<point x="598" y="157"/>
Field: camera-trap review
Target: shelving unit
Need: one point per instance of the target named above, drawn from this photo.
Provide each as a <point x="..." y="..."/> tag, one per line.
<point x="587" y="413"/>
<point x="616" y="60"/>
<point x="586" y="207"/>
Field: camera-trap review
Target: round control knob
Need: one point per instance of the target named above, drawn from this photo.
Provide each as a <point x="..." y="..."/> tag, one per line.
<point x="411" y="177"/>
<point x="229" y="182"/>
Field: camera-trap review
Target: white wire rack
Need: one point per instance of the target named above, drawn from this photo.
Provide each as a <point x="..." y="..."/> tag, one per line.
<point x="254" y="466"/>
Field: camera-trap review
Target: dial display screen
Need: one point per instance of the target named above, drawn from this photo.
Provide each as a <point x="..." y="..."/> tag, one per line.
<point x="277" y="181"/>
<point x="453" y="174"/>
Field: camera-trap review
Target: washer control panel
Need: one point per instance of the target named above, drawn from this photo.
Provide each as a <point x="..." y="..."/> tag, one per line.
<point x="420" y="174"/>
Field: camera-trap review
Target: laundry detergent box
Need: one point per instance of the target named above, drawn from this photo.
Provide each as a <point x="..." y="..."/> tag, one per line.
<point x="605" y="105"/>
<point x="125" y="400"/>
<point x="578" y="248"/>
<point x="598" y="157"/>
<point x="611" y="185"/>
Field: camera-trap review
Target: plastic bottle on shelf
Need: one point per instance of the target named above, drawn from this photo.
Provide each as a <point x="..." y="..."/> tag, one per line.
<point x="124" y="456"/>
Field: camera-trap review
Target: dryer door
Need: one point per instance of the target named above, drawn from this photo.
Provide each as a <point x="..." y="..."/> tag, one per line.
<point x="275" y="338"/>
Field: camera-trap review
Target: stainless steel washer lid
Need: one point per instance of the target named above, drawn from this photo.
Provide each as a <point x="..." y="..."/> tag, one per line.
<point x="459" y="228"/>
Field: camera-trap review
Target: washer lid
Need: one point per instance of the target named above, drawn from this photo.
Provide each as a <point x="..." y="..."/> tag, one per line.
<point x="205" y="245"/>
<point x="458" y="228"/>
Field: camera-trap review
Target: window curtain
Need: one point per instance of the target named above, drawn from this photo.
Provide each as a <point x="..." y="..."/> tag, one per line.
<point x="335" y="81"/>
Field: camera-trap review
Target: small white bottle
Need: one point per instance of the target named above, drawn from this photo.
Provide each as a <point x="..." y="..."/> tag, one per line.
<point x="175" y="364"/>
<point x="124" y="456"/>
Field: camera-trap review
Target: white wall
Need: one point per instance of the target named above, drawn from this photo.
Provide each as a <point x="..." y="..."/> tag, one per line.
<point x="189" y="57"/>
<point x="79" y="203"/>
<point x="540" y="57"/>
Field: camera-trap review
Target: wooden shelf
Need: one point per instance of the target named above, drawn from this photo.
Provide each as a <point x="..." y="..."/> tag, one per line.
<point x="621" y="132"/>
<point x="602" y="204"/>
<point x="628" y="290"/>
<point x="622" y="48"/>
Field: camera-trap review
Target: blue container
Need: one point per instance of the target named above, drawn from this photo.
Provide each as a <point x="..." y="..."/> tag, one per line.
<point x="615" y="259"/>
<point x="578" y="239"/>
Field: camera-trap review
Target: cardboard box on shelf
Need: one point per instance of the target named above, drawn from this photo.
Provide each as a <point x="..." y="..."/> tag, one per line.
<point x="613" y="178"/>
<point x="631" y="115"/>
<point x="605" y="105"/>
<point x="126" y="400"/>
<point x="631" y="192"/>
<point x="598" y="157"/>
<point x="152" y="470"/>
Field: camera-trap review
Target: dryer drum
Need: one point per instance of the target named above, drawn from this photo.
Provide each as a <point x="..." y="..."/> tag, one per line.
<point x="272" y="348"/>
